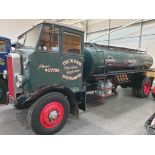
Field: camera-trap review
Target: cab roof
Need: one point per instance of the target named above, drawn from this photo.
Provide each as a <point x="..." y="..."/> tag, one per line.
<point x="63" y="25"/>
<point x="54" y="23"/>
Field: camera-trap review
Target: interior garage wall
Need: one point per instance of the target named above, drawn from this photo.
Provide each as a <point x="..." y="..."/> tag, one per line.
<point x="138" y="35"/>
<point x="99" y="25"/>
<point x="12" y="28"/>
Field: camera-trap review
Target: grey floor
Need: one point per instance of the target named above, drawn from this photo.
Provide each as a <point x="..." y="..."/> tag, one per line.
<point x="121" y="114"/>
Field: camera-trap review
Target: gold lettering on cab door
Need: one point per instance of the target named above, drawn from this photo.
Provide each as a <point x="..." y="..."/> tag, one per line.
<point x="71" y="69"/>
<point x="48" y="69"/>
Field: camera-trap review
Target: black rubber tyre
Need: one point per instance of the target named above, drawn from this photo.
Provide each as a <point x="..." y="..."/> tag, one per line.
<point x="141" y="92"/>
<point x="134" y="92"/>
<point x="3" y="91"/>
<point x="36" y="109"/>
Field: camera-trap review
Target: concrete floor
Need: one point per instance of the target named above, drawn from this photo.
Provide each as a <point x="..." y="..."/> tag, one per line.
<point x="121" y="114"/>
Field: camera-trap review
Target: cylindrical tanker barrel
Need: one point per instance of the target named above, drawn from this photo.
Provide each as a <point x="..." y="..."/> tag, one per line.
<point x="101" y="59"/>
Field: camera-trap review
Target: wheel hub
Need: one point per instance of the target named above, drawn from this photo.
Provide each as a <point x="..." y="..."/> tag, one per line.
<point x="53" y="115"/>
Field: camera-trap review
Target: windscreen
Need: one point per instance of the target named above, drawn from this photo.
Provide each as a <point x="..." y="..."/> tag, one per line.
<point x="30" y="39"/>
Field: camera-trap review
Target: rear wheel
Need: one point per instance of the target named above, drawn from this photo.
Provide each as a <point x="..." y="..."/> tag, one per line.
<point x="143" y="89"/>
<point x="3" y="91"/>
<point x="49" y="113"/>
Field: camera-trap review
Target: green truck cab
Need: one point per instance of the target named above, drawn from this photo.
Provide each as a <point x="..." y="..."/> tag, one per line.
<point x="53" y="69"/>
<point x="48" y="60"/>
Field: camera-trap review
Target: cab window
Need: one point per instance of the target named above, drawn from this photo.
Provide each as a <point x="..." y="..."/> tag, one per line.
<point x="2" y="46"/>
<point x="49" y="39"/>
<point x="71" y="43"/>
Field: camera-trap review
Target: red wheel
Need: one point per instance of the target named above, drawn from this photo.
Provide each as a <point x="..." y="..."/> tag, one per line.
<point x="49" y="113"/>
<point x="52" y="114"/>
<point x="146" y="87"/>
<point x="142" y="89"/>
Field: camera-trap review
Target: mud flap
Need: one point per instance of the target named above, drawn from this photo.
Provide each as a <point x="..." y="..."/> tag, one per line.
<point x="82" y="104"/>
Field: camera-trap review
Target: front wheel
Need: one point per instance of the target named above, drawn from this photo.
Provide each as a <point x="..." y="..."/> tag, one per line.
<point x="49" y="113"/>
<point x="3" y="91"/>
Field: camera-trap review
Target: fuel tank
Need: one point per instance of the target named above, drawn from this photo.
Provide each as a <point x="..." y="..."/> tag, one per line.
<point x="100" y="59"/>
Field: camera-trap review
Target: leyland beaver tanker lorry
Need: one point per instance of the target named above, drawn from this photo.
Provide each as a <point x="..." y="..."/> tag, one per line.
<point x="53" y="69"/>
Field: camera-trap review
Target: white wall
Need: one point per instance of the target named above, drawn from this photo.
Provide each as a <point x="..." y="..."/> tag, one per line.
<point x="12" y="28"/>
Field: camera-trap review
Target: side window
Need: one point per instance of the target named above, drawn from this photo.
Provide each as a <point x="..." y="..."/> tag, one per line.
<point x="2" y="46"/>
<point x="71" y="43"/>
<point x="49" y="39"/>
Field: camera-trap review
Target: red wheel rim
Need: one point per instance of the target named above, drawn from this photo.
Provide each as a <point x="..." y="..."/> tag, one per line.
<point x="147" y="87"/>
<point x="52" y="114"/>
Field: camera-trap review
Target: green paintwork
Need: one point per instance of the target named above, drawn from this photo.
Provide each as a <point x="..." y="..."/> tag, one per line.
<point x="53" y="68"/>
<point x="100" y="60"/>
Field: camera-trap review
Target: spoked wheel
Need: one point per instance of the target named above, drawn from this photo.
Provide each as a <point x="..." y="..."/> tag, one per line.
<point x="3" y="91"/>
<point x="49" y="113"/>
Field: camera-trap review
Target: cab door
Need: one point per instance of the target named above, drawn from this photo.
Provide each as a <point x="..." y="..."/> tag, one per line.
<point x="47" y="58"/>
<point x="72" y="59"/>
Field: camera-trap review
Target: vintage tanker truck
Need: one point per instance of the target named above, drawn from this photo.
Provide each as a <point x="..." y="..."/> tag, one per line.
<point x="53" y="69"/>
